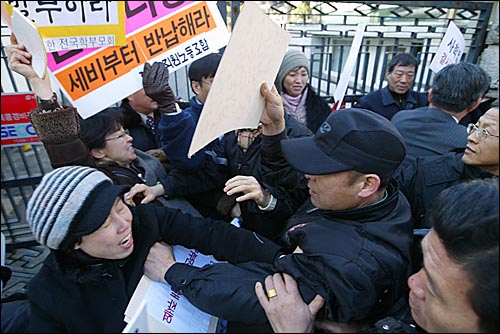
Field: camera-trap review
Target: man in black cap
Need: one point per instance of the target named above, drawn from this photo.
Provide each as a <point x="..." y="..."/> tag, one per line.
<point x="349" y="243"/>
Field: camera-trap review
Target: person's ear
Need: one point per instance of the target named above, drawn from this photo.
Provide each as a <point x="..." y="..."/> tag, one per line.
<point x="98" y="153"/>
<point x="77" y="246"/>
<point x="371" y="185"/>
<point x="196" y="87"/>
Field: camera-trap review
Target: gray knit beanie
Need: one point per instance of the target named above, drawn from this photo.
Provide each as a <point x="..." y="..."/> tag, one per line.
<point x="291" y="60"/>
<point x="72" y="200"/>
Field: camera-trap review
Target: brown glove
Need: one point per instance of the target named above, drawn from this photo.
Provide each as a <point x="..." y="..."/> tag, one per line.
<point x="155" y="83"/>
<point x="56" y="127"/>
<point x="59" y="132"/>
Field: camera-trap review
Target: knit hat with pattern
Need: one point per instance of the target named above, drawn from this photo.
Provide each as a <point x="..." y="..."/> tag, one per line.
<point x="72" y="200"/>
<point x="291" y="60"/>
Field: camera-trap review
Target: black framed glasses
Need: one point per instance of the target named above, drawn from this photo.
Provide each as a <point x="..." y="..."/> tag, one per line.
<point x="481" y="134"/>
<point x="121" y="135"/>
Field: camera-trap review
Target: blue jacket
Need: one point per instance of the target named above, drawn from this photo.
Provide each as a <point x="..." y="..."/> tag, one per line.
<point x="382" y="102"/>
<point x="317" y="110"/>
<point x="176" y="132"/>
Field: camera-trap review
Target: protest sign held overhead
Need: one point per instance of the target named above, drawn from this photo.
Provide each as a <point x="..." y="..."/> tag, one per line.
<point x="173" y="33"/>
<point x="253" y="56"/>
<point x="69" y="25"/>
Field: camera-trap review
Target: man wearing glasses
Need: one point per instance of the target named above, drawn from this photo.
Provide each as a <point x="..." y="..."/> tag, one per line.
<point x="422" y="181"/>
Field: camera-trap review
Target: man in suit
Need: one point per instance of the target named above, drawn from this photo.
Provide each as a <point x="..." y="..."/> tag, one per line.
<point x="435" y="130"/>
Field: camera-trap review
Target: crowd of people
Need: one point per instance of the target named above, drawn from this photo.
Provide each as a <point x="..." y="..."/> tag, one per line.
<point x="382" y="217"/>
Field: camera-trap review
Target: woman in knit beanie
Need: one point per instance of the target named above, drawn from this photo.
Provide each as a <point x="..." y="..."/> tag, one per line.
<point x="299" y="99"/>
<point x="99" y="246"/>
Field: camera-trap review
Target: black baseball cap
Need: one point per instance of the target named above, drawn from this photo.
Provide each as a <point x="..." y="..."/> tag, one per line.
<point x="349" y="139"/>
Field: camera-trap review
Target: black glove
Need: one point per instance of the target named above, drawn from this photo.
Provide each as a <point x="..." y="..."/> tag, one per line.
<point x="155" y="83"/>
<point x="226" y="203"/>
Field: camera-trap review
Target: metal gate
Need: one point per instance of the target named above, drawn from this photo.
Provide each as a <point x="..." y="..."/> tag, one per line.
<point x="323" y="30"/>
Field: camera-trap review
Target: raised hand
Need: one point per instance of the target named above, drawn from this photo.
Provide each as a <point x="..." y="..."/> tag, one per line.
<point x="273" y="119"/>
<point x="156" y="86"/>
<point x="20" y="62"/>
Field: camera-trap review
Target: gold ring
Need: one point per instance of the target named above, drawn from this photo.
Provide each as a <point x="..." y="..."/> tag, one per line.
<point x="271" y="293"/>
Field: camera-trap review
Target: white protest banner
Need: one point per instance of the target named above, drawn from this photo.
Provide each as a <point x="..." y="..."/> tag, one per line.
<point x="252" y="56"/>
<point x="345" y="76"/>
<point x="450" y="50"/>
<point x="156" y="308"/>
<point x="69" y="25"/>
<point x="174" y="33"/>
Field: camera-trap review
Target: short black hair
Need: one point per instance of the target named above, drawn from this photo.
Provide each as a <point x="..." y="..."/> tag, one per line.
<point x="402" y="59"/>
<point x="457" y="87"/>
<point x="93" y="130"/>
<point x="466" y="220"/>
<point x="205" y="67"/>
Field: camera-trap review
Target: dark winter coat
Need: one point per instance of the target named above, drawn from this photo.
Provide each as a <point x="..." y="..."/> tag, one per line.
<point x="317" y="110"/>
<point x="82" y="294"/>
<point x="358" y="260"/>
<point x="383" y="102"/>
<point x="423" y="180"/>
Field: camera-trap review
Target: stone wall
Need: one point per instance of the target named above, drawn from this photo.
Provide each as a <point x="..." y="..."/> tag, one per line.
<point x="489" y="57"/>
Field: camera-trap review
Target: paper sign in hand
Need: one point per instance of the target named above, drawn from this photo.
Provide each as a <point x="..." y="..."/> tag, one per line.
<point x="27" y="33"/>
<point x="253" y="56"/>
<point x="156" y="308"/>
